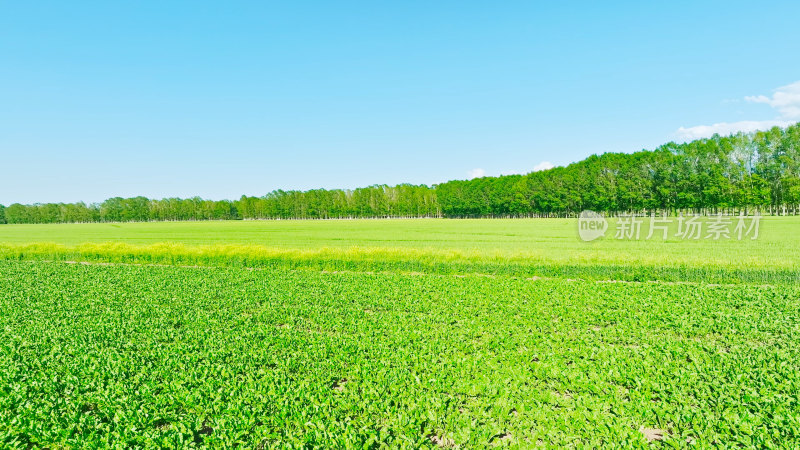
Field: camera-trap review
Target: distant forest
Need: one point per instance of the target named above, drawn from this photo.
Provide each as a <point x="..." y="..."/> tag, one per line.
<point x="755" y="171"/>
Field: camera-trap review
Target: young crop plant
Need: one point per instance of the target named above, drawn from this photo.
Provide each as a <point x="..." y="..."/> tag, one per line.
<point x="201" y="357"/>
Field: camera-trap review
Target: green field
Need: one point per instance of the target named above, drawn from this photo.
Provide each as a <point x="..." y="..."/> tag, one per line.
<point x="534" y="247"/>
<point x="397" y="333"/>
<point x="558" y="238"/>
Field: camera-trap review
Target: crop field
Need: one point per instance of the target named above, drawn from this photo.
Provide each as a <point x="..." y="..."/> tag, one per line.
<point x="368" y="334"/>
<point x="524" y="247"/>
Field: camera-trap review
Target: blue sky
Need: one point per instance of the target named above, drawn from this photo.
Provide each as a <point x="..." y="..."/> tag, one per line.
<point x="220" y="99"/>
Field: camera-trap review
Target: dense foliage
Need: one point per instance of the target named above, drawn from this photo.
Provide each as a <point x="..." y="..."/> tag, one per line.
<point x="170" y="357"/>
<point x="759" y="170"/>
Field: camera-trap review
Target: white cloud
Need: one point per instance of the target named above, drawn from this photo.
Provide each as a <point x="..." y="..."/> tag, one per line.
<point x="544" y="165"/>
<point x="476" y="173"/>
<point x="785" y="100"/>
<point x="726" y="128"/>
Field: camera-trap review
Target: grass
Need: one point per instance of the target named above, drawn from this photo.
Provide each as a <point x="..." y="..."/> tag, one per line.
<point x="412" y="260"/>
<point x="394" y="333"/>
<point x="543" y="247"/>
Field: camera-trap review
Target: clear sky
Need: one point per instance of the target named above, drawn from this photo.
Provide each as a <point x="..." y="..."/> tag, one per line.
<point x="224" y="98"/>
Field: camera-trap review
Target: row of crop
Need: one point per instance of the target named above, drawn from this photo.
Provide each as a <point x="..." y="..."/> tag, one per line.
<point x="382" y="259"/>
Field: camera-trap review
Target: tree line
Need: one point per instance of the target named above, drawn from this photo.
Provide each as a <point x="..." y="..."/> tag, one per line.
<point x="745" y="171"/>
